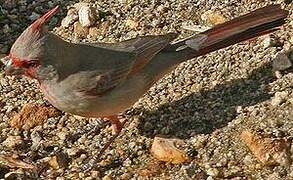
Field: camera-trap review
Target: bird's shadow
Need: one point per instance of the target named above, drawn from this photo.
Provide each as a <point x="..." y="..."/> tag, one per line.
<point x="207" y="110"/>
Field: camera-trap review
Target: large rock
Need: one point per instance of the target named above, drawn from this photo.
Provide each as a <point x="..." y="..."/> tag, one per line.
<point x="281" y="62"/>
<point x="86" y="16"/>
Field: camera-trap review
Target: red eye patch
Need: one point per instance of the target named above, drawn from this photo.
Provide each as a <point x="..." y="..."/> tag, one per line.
<point x="22" y="62"/>
<point x="18" y="63"/>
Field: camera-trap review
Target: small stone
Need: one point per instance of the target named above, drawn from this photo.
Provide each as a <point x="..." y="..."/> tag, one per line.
<point x="281" y="62"/>
<point x="60" y="160"/>
<point x="193" y="27"/>
<point x="267" y="41"/>
<point x="278" y="74"/>
<point x="71" y="17"/>
<point x="213" y="172"/>
<point x="131" y="24"/>
<point x="86" y="16"/>
<point x="239" y="109"/>
<point x="36" y="139"/>
<point x="15" y="175"/>
<point x="107" y="177"/>
<point x="60" y="178"/>
<point x="6" y="29"/>
<point x="213" y="17"/>
<point x="12" y="141"/>
<point x="267" y="150"/>
<point x="34" y="16"/>
<point x="53" y="162"/>
<point x="165" y="150"/>
<point x="161" y="8"/>
<point x="156" y="23"/>
<point x="270" y="41"/>
<point x="279" y="98"/>
<point x="73" y="151"/>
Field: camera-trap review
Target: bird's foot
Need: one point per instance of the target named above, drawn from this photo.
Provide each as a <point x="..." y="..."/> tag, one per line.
<point x="116" y="124"/>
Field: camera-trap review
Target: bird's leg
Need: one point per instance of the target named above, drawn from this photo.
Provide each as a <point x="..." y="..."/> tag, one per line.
<point x="117" y="126"/>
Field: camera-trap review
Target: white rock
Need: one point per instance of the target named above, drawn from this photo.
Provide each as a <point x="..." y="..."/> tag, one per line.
<point x="268" y="41"/>
<point x="71" y="17"/>
<point x="86" y="16"/>
<point x="213" y="172"/>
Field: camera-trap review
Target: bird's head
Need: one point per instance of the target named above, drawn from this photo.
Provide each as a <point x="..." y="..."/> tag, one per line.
<point x="28" y="50"/>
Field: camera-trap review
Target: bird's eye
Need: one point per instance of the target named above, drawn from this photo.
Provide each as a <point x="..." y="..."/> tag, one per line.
<point x="31" y="63"/>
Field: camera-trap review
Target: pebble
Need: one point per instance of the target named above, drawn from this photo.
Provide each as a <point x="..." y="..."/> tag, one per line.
<point x="164" y="150"/>
<point x="131" y="24"/>
<point x="12" y="141"/>
<point x="271" y="41"/>
<point x="213" y="172"/>
<point x="34" y="16"/>
<point x="279" y="98"/>
<point x="36" y="138"/>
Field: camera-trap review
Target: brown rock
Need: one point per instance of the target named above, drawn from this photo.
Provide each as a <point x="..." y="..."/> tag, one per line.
<point x="267" y="150"/>
<point x="14" y="163"/>
<point x="32" y="115"/>
<point x="101" y="29"/>
<point x="94" y="31"/>
<point x="165" y="150"/>
<point x="80" y="31"/>
<point x="60" y="160"/>
<point x="53" y="162"/>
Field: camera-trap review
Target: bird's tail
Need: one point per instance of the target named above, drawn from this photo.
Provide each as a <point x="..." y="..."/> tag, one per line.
<point x="259" y="22"/>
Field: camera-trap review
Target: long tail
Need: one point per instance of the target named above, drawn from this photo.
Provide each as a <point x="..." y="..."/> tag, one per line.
<point x="259" y="22"/>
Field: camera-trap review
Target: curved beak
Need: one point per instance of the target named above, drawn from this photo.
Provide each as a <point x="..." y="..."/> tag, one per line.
<point x="9" y="68"/>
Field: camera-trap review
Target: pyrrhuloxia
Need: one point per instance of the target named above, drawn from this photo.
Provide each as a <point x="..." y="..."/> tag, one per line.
<point x="102" y="80"/>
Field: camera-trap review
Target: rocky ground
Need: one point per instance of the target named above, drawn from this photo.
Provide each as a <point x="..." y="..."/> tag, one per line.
<point x="229" y="113"/>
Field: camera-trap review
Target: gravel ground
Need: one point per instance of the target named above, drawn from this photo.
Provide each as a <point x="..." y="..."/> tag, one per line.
<point x="207" y="102"/>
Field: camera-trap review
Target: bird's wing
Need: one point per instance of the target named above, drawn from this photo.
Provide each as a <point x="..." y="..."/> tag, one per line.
<point x="143" y="48"/>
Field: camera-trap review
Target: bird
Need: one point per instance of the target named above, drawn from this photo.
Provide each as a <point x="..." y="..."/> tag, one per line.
<point x="101" y="80"/>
